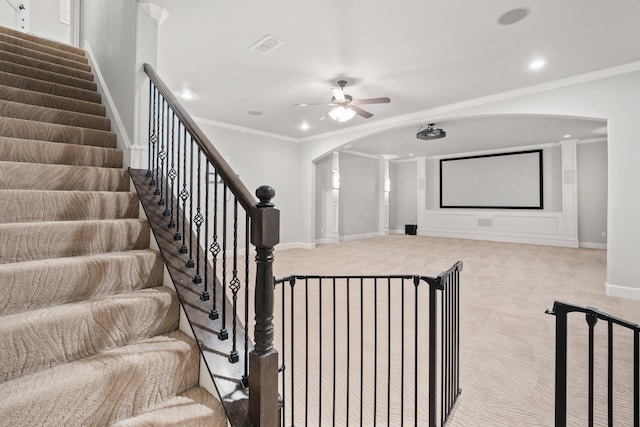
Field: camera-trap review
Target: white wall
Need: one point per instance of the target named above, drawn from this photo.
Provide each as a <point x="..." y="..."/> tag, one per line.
<point x="592" y="194"/>
<point x="359" y="195"/>
<point x="44" y="21"/>
<point x="405" y="188"/>
<point x="612" y="96"/>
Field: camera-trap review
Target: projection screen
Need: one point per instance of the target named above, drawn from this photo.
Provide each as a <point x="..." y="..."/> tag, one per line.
<point x="494" y="181"/>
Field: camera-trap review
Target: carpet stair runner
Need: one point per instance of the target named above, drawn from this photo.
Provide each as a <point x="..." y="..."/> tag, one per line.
<point x="88" y="334"/>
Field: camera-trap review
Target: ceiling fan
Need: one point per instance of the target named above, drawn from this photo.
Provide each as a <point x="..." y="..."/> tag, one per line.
<point x="345" y="107"/>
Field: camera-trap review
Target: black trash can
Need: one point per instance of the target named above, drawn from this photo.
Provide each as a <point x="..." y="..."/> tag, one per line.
<point x="411" y="229"/>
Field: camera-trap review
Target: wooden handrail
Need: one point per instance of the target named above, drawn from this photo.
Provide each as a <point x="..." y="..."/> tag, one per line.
<point x="230" y="178"/>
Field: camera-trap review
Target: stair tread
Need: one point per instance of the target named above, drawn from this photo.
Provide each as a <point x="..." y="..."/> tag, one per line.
<point x="46" y="337"/>
<point x="32" y="45"/>
<point x="18" y="110"/>
<point x="41" y="56"/>
<point x="42" y="40"/>
<point x="44" y="74"/>
<point x="72" y="279"/>
<point x="104" y="388"/>
<point x="31" y="97"/>
<point x="51" y="88"/>
<point x="194" y="408"/>
<point x="27" y="129"/>
<point x="53" y="239"/>
<point x="16" y="58"/>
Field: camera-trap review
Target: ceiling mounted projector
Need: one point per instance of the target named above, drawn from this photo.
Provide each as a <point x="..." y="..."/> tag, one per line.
<point x="430" y="133"/>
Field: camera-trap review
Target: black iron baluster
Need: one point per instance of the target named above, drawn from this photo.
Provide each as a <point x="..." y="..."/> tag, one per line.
<point x="162" y="155"/>
<point x="375" y="351"/>
<point x="177" y="236"/>
<point x="234" y="285"/>
<point x="636" y="378"/>
<point x="198" y="219"/>
<point x="184" y="194"/>
<point x="389" y="351"/>
<point x="284" y="355"/>
<point x="245" y="376"/>
<point x="334" y="350"/>
<point x="348" y="352"/>
<point x="433" y="363"/>
<point x="591" y="319"/>
<point x="293" y="358"/>
<point x="165" y="134"/>
<point x="190" y="263"/>
<point x="224" y="334"/>
<point x="215" y="250"/>
<point x="610" y="372"/>
<point x="172" y="171"/>
<point x="154" y="141"/>
<point x="150" y="123"/>
<point x="416" y="283"/>
<point x="320" y="351"/>
<point x="361" y="346"/>
<point x="205" y="292"/>
<point x="402" y="352"/>
<point x="306" y="351"/>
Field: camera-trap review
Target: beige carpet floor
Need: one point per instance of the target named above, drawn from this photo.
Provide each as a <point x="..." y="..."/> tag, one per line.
<point x="507" y="340"/>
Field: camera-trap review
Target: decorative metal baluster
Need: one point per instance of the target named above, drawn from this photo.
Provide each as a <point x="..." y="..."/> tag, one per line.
<point x="172" y="172"/>
<point x="154" y="141"/>
<point x="348" y="326"/>
<point x="375" y="351"/>
<point x="198" y="220"/>
<point x="333" y="283"/>
<point x="166" y="134"/>
<point x="245" y="376"/>
<point x="177" y="236"/>
<point x="184" y="194"/>
<point x="149" y="132"/>
<point x="205" y="292"/>
<point x="416" y="282"/>
<point x="234" y="284"/>
<point x="215" y="249"/>
<point x="320" y="352"/>
<point x="224" y="334"/>
<point x="190" y="263"/>
<point x="162" y="155"/>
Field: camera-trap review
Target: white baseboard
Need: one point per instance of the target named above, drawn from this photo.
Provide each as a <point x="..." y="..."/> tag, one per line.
<point x="568" y="243"/>
<point x="294" y="245"/>
<point x="588" y="245"/>
<point x="112" y="112"/>
<point x="360" y="236"/>
<point x="622" y="291"/>
<point x="328" y="240"/>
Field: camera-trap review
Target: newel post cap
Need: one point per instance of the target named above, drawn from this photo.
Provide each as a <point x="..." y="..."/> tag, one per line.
<point x="265" y="193"/>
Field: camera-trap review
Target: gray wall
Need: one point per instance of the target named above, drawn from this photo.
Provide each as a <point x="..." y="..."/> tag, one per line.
<point x="44" y="20"/>
<point x="359" y="194"/>
<point x="324" y="183"/>
<point x="109" y="29"/>
<point x="592" y="192"/>
<point x="405" y="188"/>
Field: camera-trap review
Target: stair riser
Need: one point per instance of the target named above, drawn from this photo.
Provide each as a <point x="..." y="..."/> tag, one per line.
<point x="34" y="206"/>
<point x="36" y="113"/>
<point x="30" y="176"/>
<point x="46" y="66"/>
<point x="43" y="240"/>
<point x="37" y="73"/>
<point x="31" y="151"/>
<point x="48" y="337"/>
<point x="37" y="284"/>
<point x="101" y="390"/>
<point x="35" y="85"/>
<point x="42" y="48"/>
<point x="40" y="40"/>
<point x="50" y="101"/>
<point x="26" y="129"/>
<point x="7" y="47"/>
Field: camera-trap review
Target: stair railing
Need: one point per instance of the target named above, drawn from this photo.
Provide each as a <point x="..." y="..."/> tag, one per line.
<point x="562" y="312"/>
<point x="205" y="205"/>
<point x="369" y="350"/>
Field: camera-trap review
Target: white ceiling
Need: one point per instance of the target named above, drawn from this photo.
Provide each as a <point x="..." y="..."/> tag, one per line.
<point x="421" y="54"/>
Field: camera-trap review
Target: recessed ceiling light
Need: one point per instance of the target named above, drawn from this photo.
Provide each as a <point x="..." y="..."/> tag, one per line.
<point x="410" y="154"/>
<point x="186" y="94"/>
<point x="537" y="64"/>
<point x="304" y="126"/>
<point x="255" y="113"/>
<point x="568" y="136"/>
<point x="513" y="16"/>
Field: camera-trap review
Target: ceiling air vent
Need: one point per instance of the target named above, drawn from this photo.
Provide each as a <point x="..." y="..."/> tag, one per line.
<point x="266" y="45"/>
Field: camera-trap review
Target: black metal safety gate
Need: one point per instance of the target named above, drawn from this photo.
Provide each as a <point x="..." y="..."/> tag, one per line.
<point x="620" y="399"/>
<point x="368" y="350"/>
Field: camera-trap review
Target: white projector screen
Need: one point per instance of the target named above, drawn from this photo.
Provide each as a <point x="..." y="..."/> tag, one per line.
<point x="495" y="181"/>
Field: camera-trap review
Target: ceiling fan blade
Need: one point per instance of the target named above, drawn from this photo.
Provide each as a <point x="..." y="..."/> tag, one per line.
<point x="311" y="105"/>
<point x="361" y="112"/>
<point x="338" y="94"/>
<point x="384" y="100"/>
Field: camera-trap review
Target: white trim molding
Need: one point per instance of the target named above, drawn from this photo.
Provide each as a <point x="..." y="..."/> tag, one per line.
<point x="589" y="245"/>
<point x="353" y="237"/>
<point x="622" y="291"/>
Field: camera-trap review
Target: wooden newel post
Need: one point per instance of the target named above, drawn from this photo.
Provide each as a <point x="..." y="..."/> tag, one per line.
<point x="263" y="360"/>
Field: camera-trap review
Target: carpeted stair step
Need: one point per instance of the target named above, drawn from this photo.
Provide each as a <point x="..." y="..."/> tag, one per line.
<point x="43" y="338"/>
<point x="35" y="85"/>
<point x="30" y="285"/>
<point x="36" y="113"/>
<point x="32" y="176"/>
<point x="41" y="56"/>
<point x="27" y="129"/>
<point x="104" y="388"/>
<point x="49" y="76"/>
<point x="45" y="66"/>
<point x="29" y="150"/>
<point x="30" y="97"/>
<point x="37" y="205"/>
<point x="29" y="241"/>
<point x="40" y="40"/>
<point x="39" y="47"/>
<point x="194" y="408"/>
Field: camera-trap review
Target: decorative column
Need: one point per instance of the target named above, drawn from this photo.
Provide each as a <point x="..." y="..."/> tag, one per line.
<point x="333" y="217"/>
<point x="421" y="196"/>
<point x="263" y="360"/>
<point x="385" y="190"/>
<point x="569" y="226"/>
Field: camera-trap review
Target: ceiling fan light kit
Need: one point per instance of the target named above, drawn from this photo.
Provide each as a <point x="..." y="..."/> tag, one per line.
<point x="345" y="107"/>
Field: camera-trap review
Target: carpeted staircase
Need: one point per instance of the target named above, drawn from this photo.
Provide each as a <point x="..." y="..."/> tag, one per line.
<point x="88" y="334"/>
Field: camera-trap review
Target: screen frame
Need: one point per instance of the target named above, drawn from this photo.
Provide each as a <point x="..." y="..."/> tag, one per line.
<point x="540" y="206"/>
